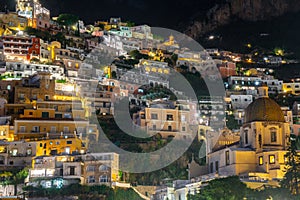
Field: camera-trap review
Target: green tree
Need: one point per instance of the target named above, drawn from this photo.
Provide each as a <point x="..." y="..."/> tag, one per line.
<point x="291" y="178"/>
<point x="14" y="178"/>
<point x="67" y="20"/>
<point x="230" y="188"/>
<point x="130" y="23"/>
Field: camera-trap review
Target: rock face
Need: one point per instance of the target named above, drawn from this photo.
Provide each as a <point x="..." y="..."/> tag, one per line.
<point x="249" y="10"/>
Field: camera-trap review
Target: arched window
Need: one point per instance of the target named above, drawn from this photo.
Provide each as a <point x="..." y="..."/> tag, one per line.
<point x="273" y="134"/>
<point x="103" y="168"/>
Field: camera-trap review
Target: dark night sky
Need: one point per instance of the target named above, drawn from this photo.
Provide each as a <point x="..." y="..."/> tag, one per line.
<point x="164" y="13"/>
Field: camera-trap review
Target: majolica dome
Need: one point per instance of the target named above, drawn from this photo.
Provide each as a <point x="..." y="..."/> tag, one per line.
<point x="264" y="109"/>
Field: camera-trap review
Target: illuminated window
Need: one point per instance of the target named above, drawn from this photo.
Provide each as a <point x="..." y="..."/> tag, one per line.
<point x="271" y="159"/>
<point x="286" y="160"/>
<point x="2" y="133"/>
<point x="260" y="160"/>
<point x="14" y="152"/>
<point x="29" y="151"/>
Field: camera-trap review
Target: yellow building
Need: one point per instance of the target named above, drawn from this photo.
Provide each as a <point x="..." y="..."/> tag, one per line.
<point x="59" y="146"/>
<point x="37" y="87"/>
<point x="7" y="133"/>
<point x="12" y="21"/>
<point x="260" y="153"/>
<point x="164" y="119"/>
<point x="293" y="88"/>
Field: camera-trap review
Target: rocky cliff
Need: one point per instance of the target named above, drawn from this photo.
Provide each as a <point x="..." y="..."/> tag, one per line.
<point x="249" y="10"/>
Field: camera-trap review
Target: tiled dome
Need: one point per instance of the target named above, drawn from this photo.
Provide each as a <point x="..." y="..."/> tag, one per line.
<point x="264" y="109"/>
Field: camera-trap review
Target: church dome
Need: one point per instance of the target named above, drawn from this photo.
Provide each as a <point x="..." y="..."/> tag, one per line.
<point x="264" y="109"/>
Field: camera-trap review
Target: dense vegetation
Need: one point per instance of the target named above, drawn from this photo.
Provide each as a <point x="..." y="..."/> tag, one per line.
<point x="232" y="188"/>
<point x="84" y="192"/>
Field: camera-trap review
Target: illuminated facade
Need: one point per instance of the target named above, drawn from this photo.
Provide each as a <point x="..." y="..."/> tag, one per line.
<point x="165" y="119"/>
<point x="293" y="88"/>
<point x="260" y="154"/>
<point x="100" y="168"/>
<point x="20" y="69"/>
<point x="21" y="48"/>
<point x="37" y="87"/>
<point x="12" y="21"/>
<point x="37" y="15"/>
<point x="87" y="169"/>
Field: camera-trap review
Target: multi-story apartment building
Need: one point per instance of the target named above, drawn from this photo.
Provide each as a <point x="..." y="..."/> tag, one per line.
<point x="36" y="87"/>
<point x="240" y="101"/>
<point x="37" y="15"/>
<point x="87" y="169"/>
<point x="12" y="21"/>
<point x="55" y="171"/>
<point x="166" y="119"/>
<point x="293" y="88"/>
<point x="244" y="82"/>
<point x="212" y="111"/>
<point x="275" y="85"/>
<point x="100" y="168"/>
<point x="55" y="120"/>
<point x="142" y="32"/>
<point x="21" y="48"/>
<point x="16" y="154"/>
<point x="25" y="70"/>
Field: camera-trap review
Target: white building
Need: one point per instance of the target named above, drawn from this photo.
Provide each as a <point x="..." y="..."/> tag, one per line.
<point x="25" y="70"/>
<point x="240" y="101"/>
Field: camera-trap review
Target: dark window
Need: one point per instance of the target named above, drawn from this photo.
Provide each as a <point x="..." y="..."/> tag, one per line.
<point x="153" y="116"/>
<point x="45" y="115"/>
<point x="69" y="142"/>
<point x="58" y="116"/>
<point x="211" y="167"/>
<point x="227" y="159"/>
<point x="246" y="137"/>
<point x="259" y="141"/>
<point x="72" y="170"/>
<point x="154" y="127"/>
<point x="169" y="128"/>
<point x="273" y="136"/>
<point x="170" y="117"/>
<point x="217" y="165"/>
